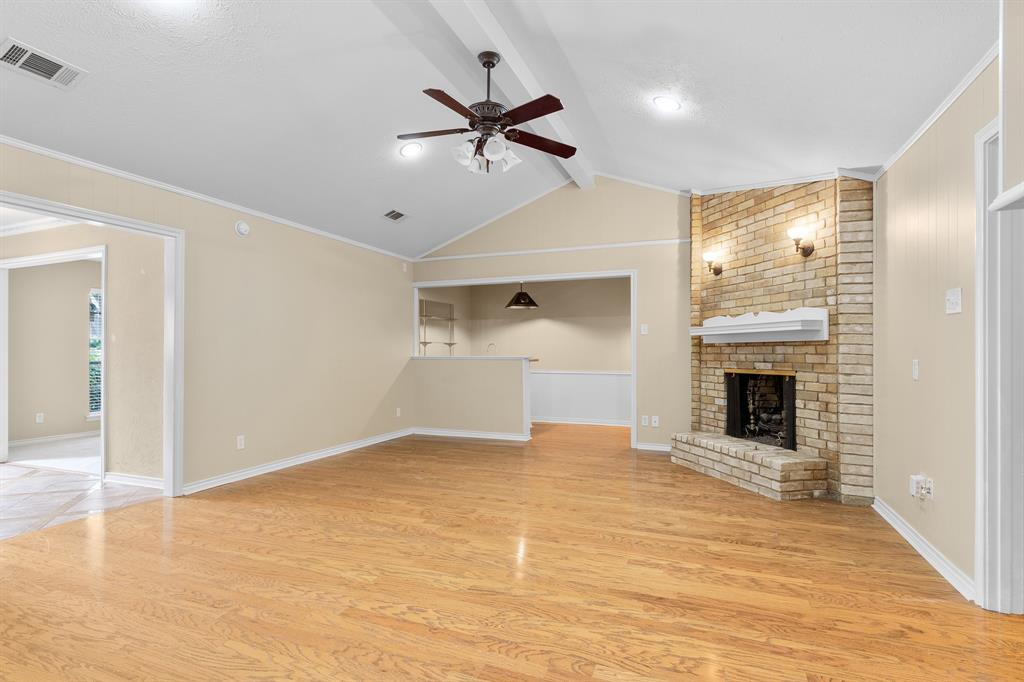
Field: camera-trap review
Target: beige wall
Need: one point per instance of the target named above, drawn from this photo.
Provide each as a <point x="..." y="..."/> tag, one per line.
<point x="133" y="304"/>
<point x="612" y="211"/>
<point x="1013" y="93"/>
<point x="469" y="394"/>
<point x="49" y="348"/>
<point x="581" y="325"/>
<point x="277" y="347"/>
<point x="925" y="215"/>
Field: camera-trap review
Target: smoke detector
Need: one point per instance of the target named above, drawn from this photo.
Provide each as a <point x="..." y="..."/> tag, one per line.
<point x="29" y="61"/>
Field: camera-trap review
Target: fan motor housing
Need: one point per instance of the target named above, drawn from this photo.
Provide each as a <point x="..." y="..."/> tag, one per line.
<point x="491" y="114"/>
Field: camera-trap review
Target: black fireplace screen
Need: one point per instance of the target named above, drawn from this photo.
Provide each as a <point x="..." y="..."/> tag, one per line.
<point x="762" y="408"/>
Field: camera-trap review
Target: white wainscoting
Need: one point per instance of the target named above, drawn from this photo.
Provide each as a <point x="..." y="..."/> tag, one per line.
<point x="581" y="397"/>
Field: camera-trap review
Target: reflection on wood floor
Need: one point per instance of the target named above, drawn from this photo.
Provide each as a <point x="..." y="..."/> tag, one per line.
<point x="568" y="557"/>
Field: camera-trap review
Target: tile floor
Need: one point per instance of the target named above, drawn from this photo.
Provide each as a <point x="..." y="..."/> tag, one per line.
<point x="32" y="498"/>
<point x="69" y="454"/>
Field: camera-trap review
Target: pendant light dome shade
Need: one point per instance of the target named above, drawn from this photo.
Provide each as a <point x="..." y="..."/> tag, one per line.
<point x="521" y="300"/>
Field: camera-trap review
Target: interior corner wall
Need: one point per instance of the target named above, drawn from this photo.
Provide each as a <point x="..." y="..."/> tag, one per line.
<point x="133" y="308"/>
<point x="612" y="212"/>
<point x="275" y="347"/>
<point x="925" y="214"/>
<point x="1013" y="93"/>
<point x="49" y="348"/>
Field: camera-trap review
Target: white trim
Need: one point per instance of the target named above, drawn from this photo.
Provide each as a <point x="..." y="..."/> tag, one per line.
<point x="487" y="222"/>
<point x="647" y="185"/>
<point x="35" y="225"/>
<point x="857" y="175"/>
<point x="946" y="568"/>
<point x="459" y="433"/>
<point x="174" y="319"/>
<point x="1010" y="200"/>
<point x="4" y="411"/>
<point x="558" y="249"/>
<point x="53" y="257"/>
<point x="133" y="479"/>
<point x="634" y="427"/>
<point x="555" y="277"/>
<point x="278" y="464"/>
<point x="797" y="324"/>
<point x="527" y="423"/>
<point x="578" y="371"/>
<point x="61" y="156"/>
<point x="53" y="439"/>
<point x="580" y="422"/>
<point x="469" y="357"/>
<point x="830" y="175"/>
<point x="653" y="447"/>
<point x="964" y="83"/>
<point x="93" y="416"/>
<point x="999" y="378"/>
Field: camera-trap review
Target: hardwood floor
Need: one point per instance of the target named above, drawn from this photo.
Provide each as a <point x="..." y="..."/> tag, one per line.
<point x="568" y="557"/>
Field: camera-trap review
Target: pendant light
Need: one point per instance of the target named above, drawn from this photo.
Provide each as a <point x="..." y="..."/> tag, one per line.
<point x="521" y="300"/>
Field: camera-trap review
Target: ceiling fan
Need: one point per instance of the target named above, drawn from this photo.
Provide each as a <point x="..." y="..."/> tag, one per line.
<point x="493" y="121"/>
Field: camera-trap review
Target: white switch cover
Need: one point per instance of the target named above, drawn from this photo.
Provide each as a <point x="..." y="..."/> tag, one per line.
<point x="398" y="411"/>
<point x="915" y="369"/>
<point x="240" y="442"/>
<point x="643" y="330"/>
<point x="40" y="417"/>
<point x="655" y="420"/>
<point x="644" y="421"/>
<point x="953" y="301"/>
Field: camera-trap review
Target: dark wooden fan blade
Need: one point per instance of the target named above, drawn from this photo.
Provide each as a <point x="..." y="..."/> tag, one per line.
<point x="450" y="102"/>
<point x="537" y="142"/>
<point x="542" y="106"/>
<point x="434" y="133"/>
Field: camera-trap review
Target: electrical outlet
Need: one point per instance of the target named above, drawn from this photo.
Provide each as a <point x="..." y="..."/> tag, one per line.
<point x="398" y="411"/>
<point x="915" y="369"/>
<point x="240" y="442"/>
<point x="654" y="420"/>
<point x="40" y="417"/>
<point x="929" y="488"/>
<point x="954" y="298"/>
<point x="644" y="420"/>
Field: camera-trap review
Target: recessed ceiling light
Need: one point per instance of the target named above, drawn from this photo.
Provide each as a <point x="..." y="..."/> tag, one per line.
<point x="663" y="103"/>
<point x="411" y="150"/>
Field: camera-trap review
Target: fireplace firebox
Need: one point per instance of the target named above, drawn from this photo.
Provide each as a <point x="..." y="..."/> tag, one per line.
<point x="761" y="408"/>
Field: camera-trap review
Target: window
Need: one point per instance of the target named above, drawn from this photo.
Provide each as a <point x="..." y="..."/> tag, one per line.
<point x="95" y="350"/>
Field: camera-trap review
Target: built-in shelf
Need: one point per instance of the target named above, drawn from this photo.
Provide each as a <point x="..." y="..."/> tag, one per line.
<point x="438" y="312"/>
<point x="799" y="324"/>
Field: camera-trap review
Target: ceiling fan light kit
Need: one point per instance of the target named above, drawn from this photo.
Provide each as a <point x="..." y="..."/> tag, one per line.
<point x="491" y="122"/>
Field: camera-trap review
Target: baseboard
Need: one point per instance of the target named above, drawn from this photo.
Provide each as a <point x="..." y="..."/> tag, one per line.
<point x="52" y="439"/>
<point x="963" y="583"/>
<point x="654" y="447"/>
<point x="132" y="479"/>
<point x="458" y="433"/>
<point x="583" y="422"/>
<point x="287" y="462"/>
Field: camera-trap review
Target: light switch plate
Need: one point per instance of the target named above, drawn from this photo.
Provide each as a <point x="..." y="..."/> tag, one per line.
<point x="915" y="369"/>
<point x="644" y="421"/>
<point x="655" y="421"/>
<point x="643" y="330"/>
<point x="240" y="442"/>
<point x="954" y="299"/>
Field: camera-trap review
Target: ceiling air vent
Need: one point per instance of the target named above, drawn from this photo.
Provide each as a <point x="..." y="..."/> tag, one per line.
<point x="394" y="216"/>
<point x="29" y="61"/>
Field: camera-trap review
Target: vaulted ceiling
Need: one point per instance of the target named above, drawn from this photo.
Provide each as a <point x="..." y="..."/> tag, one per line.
<point x="291" y="108"/>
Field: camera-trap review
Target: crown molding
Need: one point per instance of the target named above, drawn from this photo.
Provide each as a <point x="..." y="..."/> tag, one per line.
<point x="831" y="175"/>
<point x="638" y="183"/>
<point x="972" y="75"/>
<point x="157" y="184"/>
<point x="34" y="225"/>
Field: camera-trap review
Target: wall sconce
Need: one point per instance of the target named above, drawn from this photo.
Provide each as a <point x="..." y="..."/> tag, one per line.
<point x="801" y="236"/>
<point x="712" y="258"/>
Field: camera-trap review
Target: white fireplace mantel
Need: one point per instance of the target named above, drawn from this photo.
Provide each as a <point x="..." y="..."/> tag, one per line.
<point x="799" y="324"/>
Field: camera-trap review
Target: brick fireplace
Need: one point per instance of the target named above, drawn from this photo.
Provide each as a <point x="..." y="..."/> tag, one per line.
<point x="830" y="381"/>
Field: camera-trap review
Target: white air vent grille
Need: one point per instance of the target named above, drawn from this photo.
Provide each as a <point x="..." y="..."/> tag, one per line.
<point x="29" y="61"/>
<point x="394" y="216"/>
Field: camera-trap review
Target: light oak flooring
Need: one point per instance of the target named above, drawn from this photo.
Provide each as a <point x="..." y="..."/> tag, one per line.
<point x="568" y="557"/>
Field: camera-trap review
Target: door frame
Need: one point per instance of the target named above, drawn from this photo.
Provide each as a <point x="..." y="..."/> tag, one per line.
<point x="89" y="253"/>
<point x="557" y="277"/>
<point x="999" y="398"/>
<point x="174" y="320"/>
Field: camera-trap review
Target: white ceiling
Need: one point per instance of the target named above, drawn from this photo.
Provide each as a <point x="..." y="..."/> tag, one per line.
<point x="291" y="108"/>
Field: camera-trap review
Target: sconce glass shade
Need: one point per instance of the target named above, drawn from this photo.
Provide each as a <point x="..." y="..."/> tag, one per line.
<point x="798" y="232"/>
<point x="712" y="256"/>
<point x="521" y="300"/>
